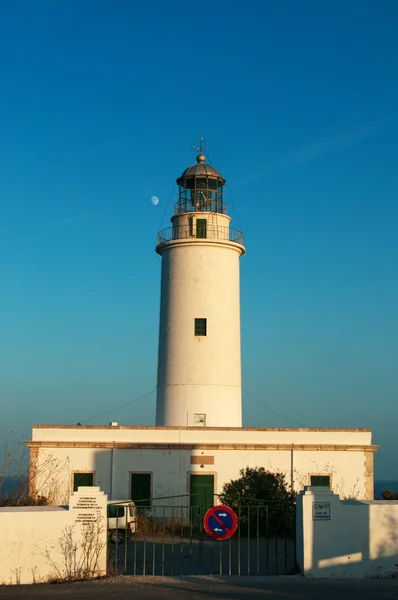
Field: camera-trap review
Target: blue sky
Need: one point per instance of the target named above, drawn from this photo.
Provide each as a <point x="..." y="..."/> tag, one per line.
<point x="100" y="104"/>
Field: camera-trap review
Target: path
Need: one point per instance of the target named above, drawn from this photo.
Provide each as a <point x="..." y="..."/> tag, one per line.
<point x="209" y="588"/>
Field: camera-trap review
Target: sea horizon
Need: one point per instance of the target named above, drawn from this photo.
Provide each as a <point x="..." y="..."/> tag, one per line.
<point x="384" y="484"/>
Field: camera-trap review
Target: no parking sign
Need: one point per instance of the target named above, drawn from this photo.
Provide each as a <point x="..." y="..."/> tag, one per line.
<point x="220" y="522"/>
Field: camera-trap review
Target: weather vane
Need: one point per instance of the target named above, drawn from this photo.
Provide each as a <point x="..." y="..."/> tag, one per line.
<point x="202" y="147"/>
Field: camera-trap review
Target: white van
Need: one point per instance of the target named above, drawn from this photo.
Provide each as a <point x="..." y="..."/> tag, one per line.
<point x="122" y="520"/>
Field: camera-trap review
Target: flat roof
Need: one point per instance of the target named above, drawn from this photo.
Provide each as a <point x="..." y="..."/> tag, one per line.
<point x="183" y="428"/>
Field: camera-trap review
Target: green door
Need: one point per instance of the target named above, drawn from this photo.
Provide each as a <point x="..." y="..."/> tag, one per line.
<point x="201" y="232"/>
<point x="141" y="489"/>
<point x="201" y="496"/>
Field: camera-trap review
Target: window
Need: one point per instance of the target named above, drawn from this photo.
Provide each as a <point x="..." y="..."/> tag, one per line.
<point x="320" y="480"/>
<point x="201" y="228"/>
<point x="82" y="479"/>
<point x="199" y="419"/>
<point x="200" y="326"/>
<point x="141" y="487"/>
<point x="115" y="511"/>
<point x="201" y="183"/>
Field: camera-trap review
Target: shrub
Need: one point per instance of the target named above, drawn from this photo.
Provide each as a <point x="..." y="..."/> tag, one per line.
<point x="389" y="495"/>
<point x="262" y="502"/>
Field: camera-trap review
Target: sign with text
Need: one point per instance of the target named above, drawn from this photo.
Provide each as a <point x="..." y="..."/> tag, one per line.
<point x="88" y="505"/>
<point x="321" y="511"/>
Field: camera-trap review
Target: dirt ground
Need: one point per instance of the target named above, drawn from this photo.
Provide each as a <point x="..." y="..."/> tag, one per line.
<point x="191" y="557"/>
<point x="210" y="588"/>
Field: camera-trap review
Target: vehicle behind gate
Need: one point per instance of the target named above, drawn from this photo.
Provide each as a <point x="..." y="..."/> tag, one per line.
<point x="122" y="520"/>
<point x="168" y="538"/>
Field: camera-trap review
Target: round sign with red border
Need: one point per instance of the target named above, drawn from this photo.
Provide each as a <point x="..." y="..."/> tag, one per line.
<point x="220" y="522"/>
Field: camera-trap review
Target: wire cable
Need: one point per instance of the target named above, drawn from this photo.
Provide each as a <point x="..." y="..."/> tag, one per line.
<point x="271" y="410"/>
<point x="229" y="194"/>
<point x="107" y="412"/>
<point x="167" y="206"/>
<point x="233" y="205"/>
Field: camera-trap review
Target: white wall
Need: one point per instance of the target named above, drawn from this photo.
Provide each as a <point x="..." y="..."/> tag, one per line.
<point x="186" y="435"/>
<point x="359" y="540"/>
<point x="171" y="468"/>
<point x="32" y="538"/>
<point x="216" y="224"/>
<point x="200" y="374"/>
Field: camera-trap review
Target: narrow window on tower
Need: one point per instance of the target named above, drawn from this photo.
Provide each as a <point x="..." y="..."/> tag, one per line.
<point x="200" y="326"/>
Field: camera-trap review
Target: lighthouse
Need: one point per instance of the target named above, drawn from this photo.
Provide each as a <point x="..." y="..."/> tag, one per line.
<point x="199" y="360"/>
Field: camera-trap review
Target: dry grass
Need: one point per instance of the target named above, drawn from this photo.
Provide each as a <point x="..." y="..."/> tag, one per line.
<point x="149" y="526"/>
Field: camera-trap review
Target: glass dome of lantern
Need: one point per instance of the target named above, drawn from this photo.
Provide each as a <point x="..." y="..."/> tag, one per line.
<point x="201" y="188"/>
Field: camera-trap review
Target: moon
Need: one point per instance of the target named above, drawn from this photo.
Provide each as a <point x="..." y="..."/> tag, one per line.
<point x="155" y="200"/>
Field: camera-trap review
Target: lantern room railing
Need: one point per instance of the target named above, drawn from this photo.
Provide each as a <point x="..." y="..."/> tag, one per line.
<point x="210" y="232"/>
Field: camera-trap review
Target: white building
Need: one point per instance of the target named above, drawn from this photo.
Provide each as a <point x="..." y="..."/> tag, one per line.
<point x="142" y="462"/>
<point x="198" y="442"/>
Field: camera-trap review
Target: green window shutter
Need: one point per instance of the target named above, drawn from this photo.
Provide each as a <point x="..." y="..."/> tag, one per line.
<point x="200" y="326"/>
<point x="141" y="489"/>
<point x="82" y="479"/>
<point x="320" y="480"/>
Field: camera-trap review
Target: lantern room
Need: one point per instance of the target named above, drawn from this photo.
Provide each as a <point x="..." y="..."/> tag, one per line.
<point x="201" y="189"/>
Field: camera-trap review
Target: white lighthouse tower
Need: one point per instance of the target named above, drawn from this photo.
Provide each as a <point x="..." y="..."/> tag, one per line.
<point x="199" y="363"/>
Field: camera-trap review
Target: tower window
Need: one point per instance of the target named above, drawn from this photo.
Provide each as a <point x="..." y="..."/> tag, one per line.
<point x="200" y="326"/>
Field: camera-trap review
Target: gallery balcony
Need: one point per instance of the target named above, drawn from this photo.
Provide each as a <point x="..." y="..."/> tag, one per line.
<point x="193" y="231"/>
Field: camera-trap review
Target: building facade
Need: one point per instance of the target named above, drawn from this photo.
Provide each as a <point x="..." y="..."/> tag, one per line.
<point x="156" y="462"/>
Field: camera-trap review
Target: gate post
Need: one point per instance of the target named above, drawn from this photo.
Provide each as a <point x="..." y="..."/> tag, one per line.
<point x="314" y="509"/>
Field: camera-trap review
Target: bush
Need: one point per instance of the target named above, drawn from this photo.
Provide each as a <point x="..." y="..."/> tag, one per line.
<point x="15" y="500"/>
<point x="262" y="502"/>
<point x="16" y="470"/>
<point x="162" y="525"/>
<point x="389" y="495"/>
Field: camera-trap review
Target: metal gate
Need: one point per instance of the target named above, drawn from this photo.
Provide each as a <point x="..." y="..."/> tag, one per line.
<point x="168" y="538"/>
